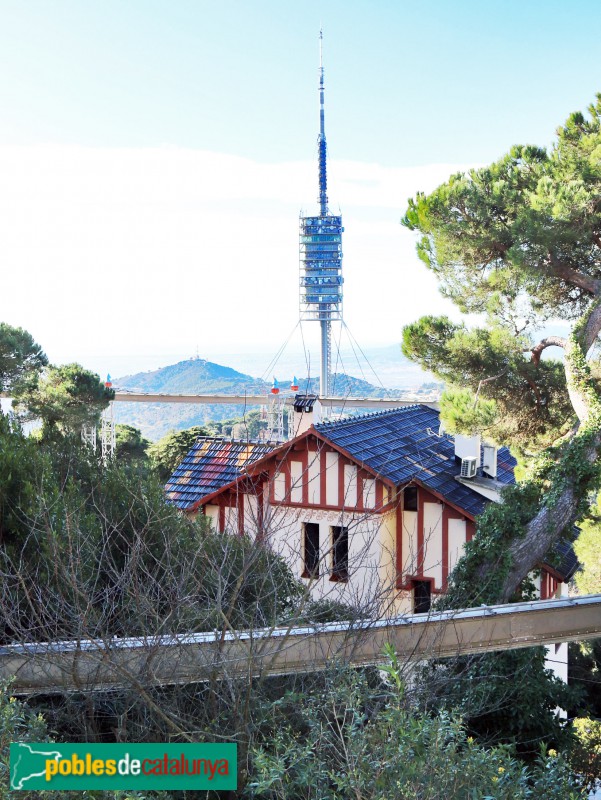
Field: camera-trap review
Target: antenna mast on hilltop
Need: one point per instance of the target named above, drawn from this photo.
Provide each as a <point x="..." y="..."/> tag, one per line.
<point x="321" y="255"/>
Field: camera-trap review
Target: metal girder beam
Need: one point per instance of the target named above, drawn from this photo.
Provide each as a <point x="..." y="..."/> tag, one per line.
<point x="258" y="399"/>
<point x="89" y="665"/>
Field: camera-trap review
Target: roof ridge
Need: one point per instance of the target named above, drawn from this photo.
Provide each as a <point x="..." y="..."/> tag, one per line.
<point x="373" y="414"/>
<point x="233" y="440"/>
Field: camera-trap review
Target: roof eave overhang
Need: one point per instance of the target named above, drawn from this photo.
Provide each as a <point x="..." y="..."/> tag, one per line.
<point x="441" y="497"/>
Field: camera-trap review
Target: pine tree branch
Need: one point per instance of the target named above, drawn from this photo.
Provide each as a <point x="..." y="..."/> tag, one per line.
<point x="549" y="341"/>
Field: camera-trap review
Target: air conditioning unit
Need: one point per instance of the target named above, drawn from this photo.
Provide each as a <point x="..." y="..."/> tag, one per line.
<point x="469" y="467"/>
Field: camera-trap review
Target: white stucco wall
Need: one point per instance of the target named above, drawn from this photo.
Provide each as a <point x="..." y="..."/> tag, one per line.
<point x="332" y="479"/>
<point x="350" y="485"/>
<point x="409" y="542"/>
<point x="231" y="519"/>
<point x="433" y="542"/>
<point x="314" y="486"/>
<point x="212" y="512"/>
<point x="250" y="513"/>
<point x="279" y="486"/>
<point x="365" y="564"/>
<point x="457" y="534"/>
<point x="369" y="493"/>
<point x="296" y="482"/>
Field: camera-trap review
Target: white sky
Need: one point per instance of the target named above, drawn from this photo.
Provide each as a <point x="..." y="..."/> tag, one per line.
<point x="154" y="158"/>
<point x="120" y="254"/>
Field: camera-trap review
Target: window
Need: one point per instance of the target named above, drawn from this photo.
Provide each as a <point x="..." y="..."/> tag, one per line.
<point x="310" y="550"/>
<point x="410" y="498"/>
<point x="422" y="596"/>
<point x="339" y="553"/>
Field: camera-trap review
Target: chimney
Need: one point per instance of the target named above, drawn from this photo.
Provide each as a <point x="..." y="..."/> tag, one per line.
<point x="489" y="460"/>
<point x="307" y="411"/>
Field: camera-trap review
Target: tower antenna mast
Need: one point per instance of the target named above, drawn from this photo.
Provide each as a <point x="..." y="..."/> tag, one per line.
<point x="322" y="149"/>
<point x="321" y="254"/>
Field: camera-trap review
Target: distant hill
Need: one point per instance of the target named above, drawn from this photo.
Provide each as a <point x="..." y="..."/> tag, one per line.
<point x="198" y="376"/>
<point x="194" y="376"/>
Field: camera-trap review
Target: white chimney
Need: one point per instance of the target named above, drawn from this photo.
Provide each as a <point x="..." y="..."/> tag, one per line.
<point x="489" y="460"/>
<point x="307" y="412"/>
<point x="467" y="447"/>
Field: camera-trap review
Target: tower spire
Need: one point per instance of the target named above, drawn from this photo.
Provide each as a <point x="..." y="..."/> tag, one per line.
<point x="321" y="142"/>
<point x="321" y="255"/>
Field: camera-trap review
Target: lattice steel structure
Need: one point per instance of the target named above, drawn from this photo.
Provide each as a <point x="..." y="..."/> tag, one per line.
<point x="321" y="255"/>
<point x="275" y="419"/>
<point x="88" y="435"/>
<point x="108" y="439"/>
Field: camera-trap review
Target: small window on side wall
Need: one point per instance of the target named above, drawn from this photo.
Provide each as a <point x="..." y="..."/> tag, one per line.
<point x="339" y="553"/>
<point x="310" y="550"/>
<point x="422" y="596"/>
<point x="410" y="498"/>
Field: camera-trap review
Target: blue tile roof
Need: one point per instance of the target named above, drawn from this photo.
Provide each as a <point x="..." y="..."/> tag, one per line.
<point x="211" y="464"/>
<point x="564" y="559"/>
<point x="403" y="444"/>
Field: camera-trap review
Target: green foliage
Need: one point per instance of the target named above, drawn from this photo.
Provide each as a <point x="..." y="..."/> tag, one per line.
<point x="130" y="445"/>
<point x="169" y="451"/>
<point x="504" y="232"/>
<point x="478" y="577"/>
<point x="585" y="757"/>
<point x="584" y="671"/>
<point x="505" y="698"/>
<point x="65" y="398"/>
<point x="588" y="551"/>
<point x="463" y="412"/>
<point x="532" y="402"/>
<point x="358" y="738"/>
<point x="518" y="241"/>
<point x="22" y="467"/>
<point x="327" y="610"/>
<point x="585" y="658"/>
<point x="108" y="557"/>
<point x="21" y="359"/>
<point x="19" y="723"/>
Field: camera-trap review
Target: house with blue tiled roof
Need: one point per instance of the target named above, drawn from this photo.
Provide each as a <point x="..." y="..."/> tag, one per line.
<point x="371" y="507"/>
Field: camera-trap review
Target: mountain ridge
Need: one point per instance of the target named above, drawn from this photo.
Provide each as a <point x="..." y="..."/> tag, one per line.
<point x="200" y="376"/>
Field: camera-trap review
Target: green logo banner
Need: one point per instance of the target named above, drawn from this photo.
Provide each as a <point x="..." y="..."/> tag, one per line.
<point x="35" y="766"/>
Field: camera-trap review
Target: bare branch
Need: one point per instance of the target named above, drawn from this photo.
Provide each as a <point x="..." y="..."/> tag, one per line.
<point x="488" y="380"/>
<point x="549" y="341"/>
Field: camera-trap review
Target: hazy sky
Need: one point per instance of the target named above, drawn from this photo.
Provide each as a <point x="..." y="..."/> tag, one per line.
<point x="155" y="155"/>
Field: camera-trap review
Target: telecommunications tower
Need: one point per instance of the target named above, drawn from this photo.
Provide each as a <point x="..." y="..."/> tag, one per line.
<point x="321" y="256"/>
